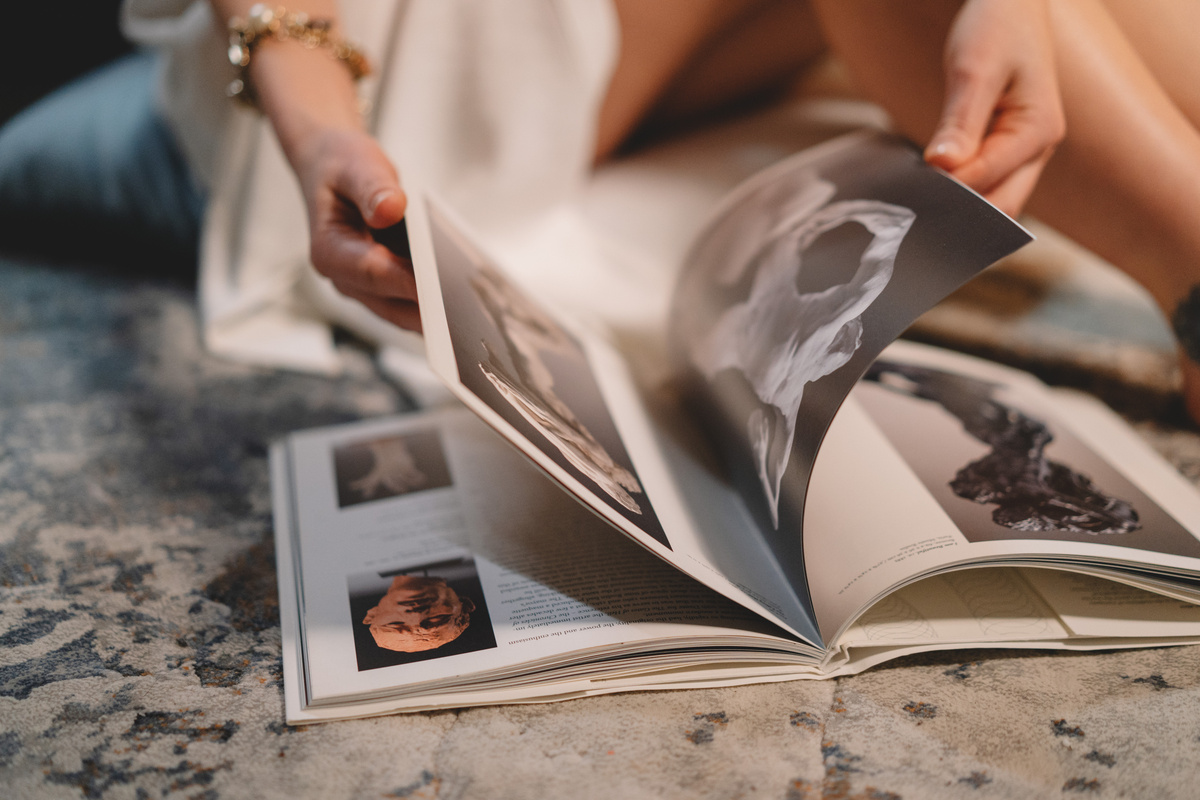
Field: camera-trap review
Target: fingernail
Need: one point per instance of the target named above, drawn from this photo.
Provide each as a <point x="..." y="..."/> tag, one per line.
<point x="379" y="197"/>
<point x="943" y="149"/>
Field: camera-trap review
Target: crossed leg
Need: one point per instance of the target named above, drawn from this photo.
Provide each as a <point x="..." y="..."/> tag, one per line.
<point x="1125" y="182"/>
<point x="682" y="60"/>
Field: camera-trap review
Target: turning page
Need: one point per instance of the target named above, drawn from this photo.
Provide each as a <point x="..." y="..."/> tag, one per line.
<point x="564" y="397"/>
<point x="804" y="275"/>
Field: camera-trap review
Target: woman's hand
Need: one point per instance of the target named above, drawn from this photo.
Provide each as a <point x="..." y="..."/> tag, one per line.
<point x="350" y="188"/>
<point x="1002" y="115"/>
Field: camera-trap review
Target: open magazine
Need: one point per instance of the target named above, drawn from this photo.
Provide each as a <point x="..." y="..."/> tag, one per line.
<point x="802" y="499"/>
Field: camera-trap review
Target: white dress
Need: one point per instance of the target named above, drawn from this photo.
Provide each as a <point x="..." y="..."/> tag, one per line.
<point x="493" y="104"/>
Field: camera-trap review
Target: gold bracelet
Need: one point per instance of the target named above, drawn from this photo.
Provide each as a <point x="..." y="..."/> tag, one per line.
<point x="280" y="24"/>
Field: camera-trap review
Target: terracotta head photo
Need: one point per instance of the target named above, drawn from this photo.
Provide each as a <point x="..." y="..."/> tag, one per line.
<point x="418" y="613"/>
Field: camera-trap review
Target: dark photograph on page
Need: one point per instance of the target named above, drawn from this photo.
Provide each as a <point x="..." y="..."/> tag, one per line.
<point x="389" y="466"/>
<point x="532" y="372"/>
<point x="799" y="281"/>
<point x="1004" y="471"/>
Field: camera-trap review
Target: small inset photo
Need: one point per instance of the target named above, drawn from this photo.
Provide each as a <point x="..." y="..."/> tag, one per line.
<point x="390" y="466"/>
<point x="417" y="613"/>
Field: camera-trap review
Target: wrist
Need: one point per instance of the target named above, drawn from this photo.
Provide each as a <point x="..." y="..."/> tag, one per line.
<point x="304" y="92"/>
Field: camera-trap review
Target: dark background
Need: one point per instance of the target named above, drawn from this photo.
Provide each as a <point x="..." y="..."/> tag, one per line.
<point x="48" y="44"/>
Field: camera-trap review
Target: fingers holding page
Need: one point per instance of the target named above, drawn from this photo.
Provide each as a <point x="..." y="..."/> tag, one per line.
<point x="356" y="209"/>
<point x="349" y="256"/>
<point x="404" y="314"/>
<point x="1002" y="116"/>
<point x="366" y="271"/>
<point x="1025" y="126"/>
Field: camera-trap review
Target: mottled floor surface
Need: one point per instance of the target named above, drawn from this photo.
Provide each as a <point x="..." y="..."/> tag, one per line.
<point x="139" y="639"/>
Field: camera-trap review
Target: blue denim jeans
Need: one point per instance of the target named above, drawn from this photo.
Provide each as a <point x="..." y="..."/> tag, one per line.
<point x="92" y="170"/>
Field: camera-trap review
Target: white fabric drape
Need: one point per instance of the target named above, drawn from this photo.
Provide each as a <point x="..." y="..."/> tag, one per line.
<point x="492" y="104"/>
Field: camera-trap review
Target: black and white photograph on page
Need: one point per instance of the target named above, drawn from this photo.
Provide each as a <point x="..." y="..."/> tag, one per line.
<point x="534" y="374"/>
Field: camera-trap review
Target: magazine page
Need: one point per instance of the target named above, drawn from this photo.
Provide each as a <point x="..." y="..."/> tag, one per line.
<point x="804" y="275"/>
<point x="993" y="606"/>
<point x="1009" y="606"/>
<point x="969" y="462"/>
<point x="567" y="400"/>
<point x="1092" y="606"/>
<point x="430" y="556"/>
<point x="1013" y="608"/>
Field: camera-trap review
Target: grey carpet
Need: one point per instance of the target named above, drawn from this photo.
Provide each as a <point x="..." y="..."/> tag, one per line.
<point x="139" y="638"/>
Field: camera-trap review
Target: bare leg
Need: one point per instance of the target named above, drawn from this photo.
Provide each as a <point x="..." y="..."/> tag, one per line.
<point x="893" y="52"/>
<point x="1125" y="182"/>
<point x="758" y="58"/>
<point x="1159" y="30"/>
<point x="683" y="59"/>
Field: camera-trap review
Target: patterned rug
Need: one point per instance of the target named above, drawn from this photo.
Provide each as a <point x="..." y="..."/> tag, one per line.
<point x="139" y="638"/>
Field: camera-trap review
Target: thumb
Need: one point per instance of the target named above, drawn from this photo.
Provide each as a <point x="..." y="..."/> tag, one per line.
<point x="370" y="182"/>
<point x="966" y="115"/>
<point x="384" y="207"/>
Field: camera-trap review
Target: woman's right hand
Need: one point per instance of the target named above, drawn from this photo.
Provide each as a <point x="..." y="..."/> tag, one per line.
<point x="351" y="188"/>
